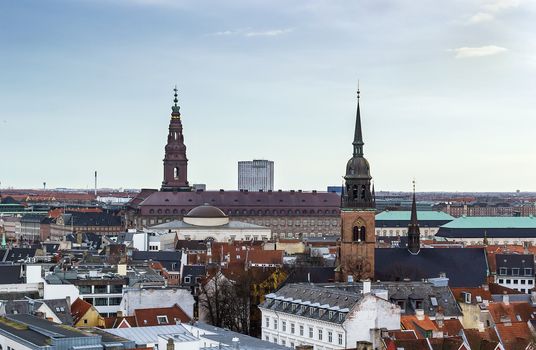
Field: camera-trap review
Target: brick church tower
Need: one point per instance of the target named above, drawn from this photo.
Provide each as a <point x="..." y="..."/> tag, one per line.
<point x="175" y="161"/>
<point x="358" y="204"/>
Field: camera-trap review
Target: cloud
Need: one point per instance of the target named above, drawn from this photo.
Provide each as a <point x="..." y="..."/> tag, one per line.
<point x="489" y="10"/>
<point x="481" y="17"/>
<point x="250" y="33"/>
<point x="489" y="50"/>
<point x="274" y="32"/>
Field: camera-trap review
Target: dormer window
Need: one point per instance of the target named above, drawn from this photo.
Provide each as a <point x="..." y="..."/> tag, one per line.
<point x="341" y="316"/>
<point x="303" y="308"/>
<point x="528" y="271"/>
<point x="515" y="271"/>
<point x="311" y="310"/>
<point x="285" y="304"/>
<point x="502" y="271"/>
<point x="330" y="315"/>
<point x="162" y="319"/>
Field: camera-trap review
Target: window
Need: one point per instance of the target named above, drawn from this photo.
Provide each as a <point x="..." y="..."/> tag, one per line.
<point x="85" y="320"/>
<point x="330" y="336"/>
<point x="84" y="289"/>
<point x="528" y="271"/>
<point x="529" y="282"/>
<point x="319" y="334"/>
<point x="275" y="324"/>
<point x="116" y="288"/>
<point x="162" y="319"/>
<point x="101" y="301"/>
<point x="114" y="301"/>
<point x="501" y="280"/>
<point x="284" y="326"/>
<point x="310" y="332"/>
<point x="301" y="330"/>
<point x="291" y="345"/>
<point x="515" y="281"/>
<point x="283" y="342"/>
<point x="502" y="271"/>
<point x="311" y="310"/>
<point x="515" y="271"/>
<point x="101" y="290"/>
<point x="508" y="281"/>
<point x="275" y="340"/>
<point x="267" y="338"/>
<point x="330" y="315"/>
<point x="187" y="279"/>
<point x="523" y="281"/>
<point x="341" y="316"/>
<point x="340" y="338"/>
<point x="267" y="322"/>
<point x="292" y="328"/>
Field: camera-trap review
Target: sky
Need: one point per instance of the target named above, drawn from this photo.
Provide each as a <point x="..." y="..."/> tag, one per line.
<point x="448" y="91"/>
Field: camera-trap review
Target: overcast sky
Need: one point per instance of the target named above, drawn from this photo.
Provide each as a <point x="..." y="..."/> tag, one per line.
<point x="448" y="91"/>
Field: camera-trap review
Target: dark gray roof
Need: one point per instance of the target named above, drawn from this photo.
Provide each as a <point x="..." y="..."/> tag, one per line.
<point x="460" y="232"/>
<point x="312" y="274"/>
<point x="515" y="261"/>
<point x="169" y="259"/>
<point x="61" y="308"/>
<point x="43" y="333"/>
<point x="465" y="267"/>
<point x="410" y="292"/>
<point x="189" y="245"/>
<point x="312" y="301"/>
<point x="10" y="274"/>
<point x="193" y="271"/>
<point x="19" y="254"/>
<point x="91" y="219"/>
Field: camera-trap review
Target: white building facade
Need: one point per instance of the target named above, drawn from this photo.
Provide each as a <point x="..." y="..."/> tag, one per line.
<point x="256" y="175"/>
<point x="326" y="319"/>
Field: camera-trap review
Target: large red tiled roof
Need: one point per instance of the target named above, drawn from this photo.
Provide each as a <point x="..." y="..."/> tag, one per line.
<point x="485" y="294"/>
<point x="485" y="339"/>
<point x="511" y="312"/>
<point x="515" y="336"/>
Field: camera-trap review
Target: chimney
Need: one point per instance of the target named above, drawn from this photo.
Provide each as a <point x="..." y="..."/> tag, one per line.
<point x="170" y="344"/>
<point x="439" y="319"/>
<point x="480" y="326"/>
<point x="506" y="299"/>
<point x="485" y="287"/>
<point x="119" y="313"/>
<point x="366" y="287"/>
<point x="419" y="313"/>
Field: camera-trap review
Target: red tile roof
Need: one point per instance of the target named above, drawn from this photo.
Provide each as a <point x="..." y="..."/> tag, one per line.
<point x="451" y="327"/>
<point x="78" y="309"/>
<point x="513" y="312"/>
<point x="478" y="291"/>
<point x="170" y="316"/>
<point x="515" y="336"/>
<point x="485" y="339"/>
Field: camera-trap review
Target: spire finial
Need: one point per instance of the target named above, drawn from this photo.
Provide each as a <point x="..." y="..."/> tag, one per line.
<point x="176" y="99"/>
<point x="358" y="91"/>
<point x="413" y="186"/>
<point x="175" y="108"/>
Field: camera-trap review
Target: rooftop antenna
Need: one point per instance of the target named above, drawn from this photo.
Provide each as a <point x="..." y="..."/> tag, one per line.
<point x="95" y="183"/>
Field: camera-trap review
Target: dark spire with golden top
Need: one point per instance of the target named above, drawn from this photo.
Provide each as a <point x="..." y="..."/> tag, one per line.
<point x="414" y="242"/>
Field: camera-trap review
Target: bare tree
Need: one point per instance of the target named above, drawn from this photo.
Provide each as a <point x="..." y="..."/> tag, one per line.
<point x="357" y="266"/>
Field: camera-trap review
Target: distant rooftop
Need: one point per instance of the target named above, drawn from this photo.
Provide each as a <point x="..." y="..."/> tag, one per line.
<point x="406" y="214"/>
<point x="492" y="222"/>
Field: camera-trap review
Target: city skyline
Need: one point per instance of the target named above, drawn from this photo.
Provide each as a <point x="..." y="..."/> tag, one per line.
<point x="86" y="90"/>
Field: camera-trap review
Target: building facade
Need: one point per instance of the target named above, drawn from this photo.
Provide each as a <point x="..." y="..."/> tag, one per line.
<point x="515" y="271"/>
<point x="256" y="175"/>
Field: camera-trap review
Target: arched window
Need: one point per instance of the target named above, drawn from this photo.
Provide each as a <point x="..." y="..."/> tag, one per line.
<point x="355" y="232"/>
<point x="362" y="234"/>
<point x="363" y="191"/>
<point x="354" y="192"/>
<point x="176" y="173"/>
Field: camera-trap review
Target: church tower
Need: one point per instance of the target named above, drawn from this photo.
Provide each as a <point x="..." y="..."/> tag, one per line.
<point x="175" y="161"/>
<point x="358" y="211"/>
<point x="414" y="235"/>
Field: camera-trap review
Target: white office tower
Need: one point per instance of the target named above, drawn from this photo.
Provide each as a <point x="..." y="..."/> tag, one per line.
<point x="256" y="175"/>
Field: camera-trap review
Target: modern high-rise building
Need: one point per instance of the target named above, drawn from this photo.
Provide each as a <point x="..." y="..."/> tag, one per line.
<point x="256" y="175"/>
